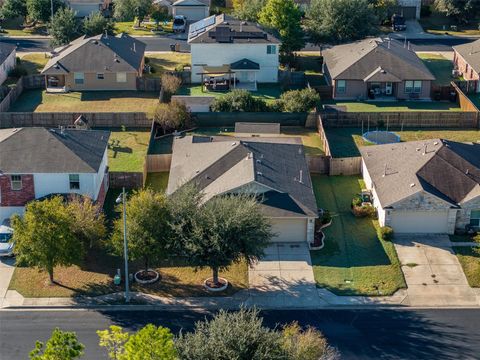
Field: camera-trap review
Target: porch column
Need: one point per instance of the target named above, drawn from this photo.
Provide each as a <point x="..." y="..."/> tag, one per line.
<point x="234" y="80"/>
<point x="46" y="82"/>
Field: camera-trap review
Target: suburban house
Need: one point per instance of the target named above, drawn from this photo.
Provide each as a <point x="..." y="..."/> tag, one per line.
<point x="229" y="53"/>
<point x="39" y="162"/>
<point x="193" y="10"/>
<point x="466" y="59"/>
<point x="409" y="9"/>
<point x="273" y="169"/>
<point x="8" y="57"/>
<point x="101" y="62"/>
<point x="84" y="8"/>
<point x="428" y="186"/>
<point x="376" y="68"/>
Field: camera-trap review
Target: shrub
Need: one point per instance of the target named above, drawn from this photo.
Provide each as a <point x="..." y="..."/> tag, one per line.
<point x="181" y="67"/>
<point x="239" y="100"/>
<point x="170" y="85"/>
<point x="327" y="217"/>
<point x="385" y="233"/>
<point x="172" y="116"/>
<point x="425" y="11"/>
<point x="356" y="201"/>
<point x="364" y="211"/>
<point x="476" y="237"/>
<point x="299" y="100"/>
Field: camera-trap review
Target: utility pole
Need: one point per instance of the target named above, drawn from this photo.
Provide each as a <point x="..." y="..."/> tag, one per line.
<point x="122" y="198"/>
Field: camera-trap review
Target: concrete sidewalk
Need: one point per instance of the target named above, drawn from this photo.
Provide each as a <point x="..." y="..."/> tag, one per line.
<point x="6" y="271"/>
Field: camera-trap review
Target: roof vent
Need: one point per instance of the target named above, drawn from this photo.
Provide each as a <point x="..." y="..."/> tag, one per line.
<point x="467" y="172"/>
<point x="234" y="143"/>
<point x="259" y="173"/>
<point x="259" y="161"/>
<point x="435" y="143"/>
<point x="412" y="185"/>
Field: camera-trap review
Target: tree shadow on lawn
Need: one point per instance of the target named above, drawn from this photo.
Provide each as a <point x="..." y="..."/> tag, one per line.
<point x="109" y="95"/>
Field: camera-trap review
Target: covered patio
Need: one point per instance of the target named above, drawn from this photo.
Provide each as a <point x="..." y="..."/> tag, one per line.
<point x="55" y="83"/>
<point x="381" y="84"/>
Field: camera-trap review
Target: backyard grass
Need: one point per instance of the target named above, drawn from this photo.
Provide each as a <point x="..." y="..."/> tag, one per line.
<point x="344" y="142"/>
<point x="95" y="277"/>
<point x="147" y="29"/>
<point x="475" y="98"/>
<point x="157" y="181"/>
<point x="354" y="260"/>
<point x="87" y="101"/>
<point x="167" y="61"/>
<point x="34" y="62"/>
<point x="127" y="150"/>
<point x="469" y="258"/>
<point x="440" y="67"/>
<point x="267" y="92"/>
<point x="395" y="106"/>
<point x="311" y="63"/>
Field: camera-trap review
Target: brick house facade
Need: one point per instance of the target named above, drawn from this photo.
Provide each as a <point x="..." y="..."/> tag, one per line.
<point x="21" y="197"/>
<point x="462" y="65"/>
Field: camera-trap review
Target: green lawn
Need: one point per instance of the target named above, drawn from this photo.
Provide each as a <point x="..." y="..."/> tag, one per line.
<point x="127" y="150"/>
<point x="344" y="142"/>
<point x="440" y="24"/>
<point x="463" y="238"/>
<point x="395" y="106"/>
<point x="34" y="62"/>
<point x="354" y="260"/>
<point x="167" y="61"/>
<point x="311" y="63"/>
<point x="475" y="98"/>
<point x="440" y="67"/>
<point x="157" y="181"/>
<point x="86" y="101"/>
<point x="469" y="258"/>
<point x="14" y="27"/>
<point x="267" y="92"/>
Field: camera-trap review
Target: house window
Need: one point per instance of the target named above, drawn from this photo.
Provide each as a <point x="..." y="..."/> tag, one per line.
<point x="271" y="49"/>
<point x="79" y="78"/>
<point x="74" y="181"/>
<point x="121" y="77"/>
<point x="417" y="87"/>
<point x="100" y="76"/>
<point x="413" y="86"/>
<point x="475" y="218"/>
<point x="16" y="182"/>
<point x="341" y="86"/>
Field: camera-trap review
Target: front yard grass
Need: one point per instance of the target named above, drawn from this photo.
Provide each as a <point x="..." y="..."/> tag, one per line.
<point x="267" y="92"/>
<point x="469" y="258"/>
<point x="395" y="106"/>
<point x="15" y="27"/>
<point x="439" y="24"/>
<point x="354" y="260"/>
<point x="127" y="150"/>
<point x="34" y="62"/>
<point x="439" y="66"/>
<point x="344" y="142"/>
<point x="166" y="61"/>
<point x="86" y="101"/>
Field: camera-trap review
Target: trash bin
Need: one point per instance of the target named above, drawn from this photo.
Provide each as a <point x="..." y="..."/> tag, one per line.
<point x="172" y="47"/>
<point x="117" y="279"/>
<point x="177" y="47"/>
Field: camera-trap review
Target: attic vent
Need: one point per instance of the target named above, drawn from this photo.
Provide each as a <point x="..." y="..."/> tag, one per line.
<point x="435" y="143"/>
<point x="95" y="42"/>
<point x="412" y="185"/>
<point x="418" y="149"/>
<point x="234" y="143"/>
<point x="467" y="172"/>
<point x="259" y="173"/>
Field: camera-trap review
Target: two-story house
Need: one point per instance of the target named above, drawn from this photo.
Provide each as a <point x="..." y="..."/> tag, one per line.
<point x="230" y="53"/>
<point x="38" y="162"/>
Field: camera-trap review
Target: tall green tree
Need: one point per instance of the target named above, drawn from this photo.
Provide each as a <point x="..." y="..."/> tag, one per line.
<point x="461" y="10"/>
<point x="383" y="8"/>
<point x="127" y="10"/>
<point x="64" y="27"/>
<point x="88" y="220"/>
<point x="40" y="10"/>
<point x="231" y="335"/>
<point x="340" y="20"/>
<point x="113" y="340"/>
<point x="44" y="237"/>
<point x="285" y="17"/>
<point x="148" y="234"/>
<point x="226" y="229"/>
<point x="150" y="343"/>
<point x="96" y="24"/>
<point x="13" y="9"/>
<point x="248" y="10"/>
<point x="62" y="345"/>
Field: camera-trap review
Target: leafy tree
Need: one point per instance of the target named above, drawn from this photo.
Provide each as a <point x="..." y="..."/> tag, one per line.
<point x="299" y="100"/>
<point x="64" y="27"/>
<point x="150" y="343"/>
<point x="40" y="10"/>
<point x="382" y="8"/>
<point x="63" y="345"/>
<point x="461" y="10"/>
<point x="285" y="16"/>
<point x="113" y="339"/>
<point x="171" y="116"/>
<point x="96" y="24"/>
<point x="147" y="223"/>
<point x="88" y="221"/>
<point x="44" y="237"/>
<point x="170" y="85"/>
<point x="159" y="13"/>
<point x="13" y="9"/>
<point x="226" y="229"/>
<point x="126" y="10"/>
<point x="231" y="335"/>
<point x="141" y="9"/>
<point x="340" y="20"/>
<point x="307" y="344"/>
<point x="238" y="100"/>
<point x="248" y="9"/>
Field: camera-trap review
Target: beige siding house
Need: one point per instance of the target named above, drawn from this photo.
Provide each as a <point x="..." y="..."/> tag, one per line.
<point x="374" y="69"/>
<point x="101" y="62"/>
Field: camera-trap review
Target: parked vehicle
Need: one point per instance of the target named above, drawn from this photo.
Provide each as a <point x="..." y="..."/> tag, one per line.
<point x="398" y="23"/>
<point x="6" y="233"/>
<point x="179" y="24"/>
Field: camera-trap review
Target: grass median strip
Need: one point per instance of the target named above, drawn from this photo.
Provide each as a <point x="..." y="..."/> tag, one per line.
<point x="469" y="258"/>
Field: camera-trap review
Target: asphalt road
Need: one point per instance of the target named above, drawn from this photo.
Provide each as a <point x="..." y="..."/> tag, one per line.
<point x="357" y="334"/>
<point x="163" y="44"/>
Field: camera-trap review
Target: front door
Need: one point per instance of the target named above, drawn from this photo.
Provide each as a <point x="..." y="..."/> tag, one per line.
<point x="388" y="88"/>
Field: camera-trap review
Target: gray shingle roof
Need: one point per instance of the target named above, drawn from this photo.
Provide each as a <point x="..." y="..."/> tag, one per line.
<point x="98" y="53"/>
<point x="471" y="53"/>
<point x="446" y="169"/>
<point x="358" y="60"/>
<point x="40" y="150"/>
<point x="245" y="64"/>
<point x="222" y="164"/>
<point x="5" y="51"/>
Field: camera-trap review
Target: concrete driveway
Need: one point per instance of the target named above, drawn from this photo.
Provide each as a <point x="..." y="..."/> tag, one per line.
<point x="7" y="266"/>
<point x="284" y="277"/>
<point x="433" y="273"/>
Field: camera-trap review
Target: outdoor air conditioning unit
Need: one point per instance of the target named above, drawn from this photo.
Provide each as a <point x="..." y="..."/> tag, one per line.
<point x="456" y="73"/>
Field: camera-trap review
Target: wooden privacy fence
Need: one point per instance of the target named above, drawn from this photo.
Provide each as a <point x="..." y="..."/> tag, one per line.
<point x="12" y="96"/>
<point x="148" y="84"/>
<point x="465" y="103"/>
<point x="26" y="119"/>
<point x="158" y="162"/>
<point x="131" y="180"/>
<point x="430" y="119"/>
<point x="317" y="164"/>
<point x="215" y="119"/>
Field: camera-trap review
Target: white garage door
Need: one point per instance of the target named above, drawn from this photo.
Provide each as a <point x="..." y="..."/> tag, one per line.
<point x="83" y="10"/>
<point x="289" y="230"/>
<point x="427" y="222"/>
<point x="192" y="13"/>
